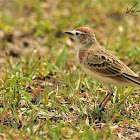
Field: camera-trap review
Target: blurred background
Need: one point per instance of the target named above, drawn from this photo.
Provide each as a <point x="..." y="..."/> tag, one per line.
<point x="26" y="25"/>
<point x="43" y="90"/>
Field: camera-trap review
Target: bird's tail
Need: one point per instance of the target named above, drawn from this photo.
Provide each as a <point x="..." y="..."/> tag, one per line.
<point x="133" y="79"/>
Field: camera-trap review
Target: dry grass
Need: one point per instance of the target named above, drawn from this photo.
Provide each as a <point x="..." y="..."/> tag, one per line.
<point x="44" y="92"/>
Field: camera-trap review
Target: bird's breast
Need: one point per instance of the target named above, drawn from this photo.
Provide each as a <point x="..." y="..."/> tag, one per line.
<point x="81" y="54"/>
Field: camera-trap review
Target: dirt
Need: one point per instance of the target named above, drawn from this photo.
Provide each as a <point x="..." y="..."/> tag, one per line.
<point x="19" y="44"/>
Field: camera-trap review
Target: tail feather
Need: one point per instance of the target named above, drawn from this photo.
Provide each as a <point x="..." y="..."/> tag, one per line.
<point x="131" y="78"/>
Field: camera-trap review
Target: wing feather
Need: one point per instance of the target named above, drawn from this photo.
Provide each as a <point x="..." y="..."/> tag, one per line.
<point x="105" y="64"/>
<point x="131" y="78"/>
<point x="102" y="65"/>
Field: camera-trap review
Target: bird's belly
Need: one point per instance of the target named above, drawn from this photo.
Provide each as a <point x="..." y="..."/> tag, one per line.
<point x="102" y="79"/>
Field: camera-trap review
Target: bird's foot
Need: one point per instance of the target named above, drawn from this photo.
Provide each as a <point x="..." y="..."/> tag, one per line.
<point x="102" y="109"/>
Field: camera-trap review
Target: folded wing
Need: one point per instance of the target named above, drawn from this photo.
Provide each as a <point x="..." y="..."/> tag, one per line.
<point x="110" y="67"/>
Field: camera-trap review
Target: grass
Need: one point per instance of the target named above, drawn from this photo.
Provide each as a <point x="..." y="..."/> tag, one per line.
<point x="44" y="93"/>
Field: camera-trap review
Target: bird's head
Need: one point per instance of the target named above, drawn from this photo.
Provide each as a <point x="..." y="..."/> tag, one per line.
<point x="84" y="36"/>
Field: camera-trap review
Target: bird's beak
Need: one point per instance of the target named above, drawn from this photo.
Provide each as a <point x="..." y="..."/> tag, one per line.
<point x="69" y="32"/>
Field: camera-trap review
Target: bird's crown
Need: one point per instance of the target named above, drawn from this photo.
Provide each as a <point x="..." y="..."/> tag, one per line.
<point x="84" y="29"/>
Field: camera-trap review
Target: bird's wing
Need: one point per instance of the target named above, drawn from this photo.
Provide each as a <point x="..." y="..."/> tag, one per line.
<point x="110" y="66"/>
<point x="103" y="65"/>
<point x="131" y="78"/>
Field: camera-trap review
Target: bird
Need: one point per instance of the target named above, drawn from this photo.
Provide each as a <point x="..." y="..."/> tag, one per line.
<point x="100" y="64"/>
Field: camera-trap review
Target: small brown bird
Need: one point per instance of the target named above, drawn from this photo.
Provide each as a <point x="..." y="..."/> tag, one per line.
<point x="100" y="64"/>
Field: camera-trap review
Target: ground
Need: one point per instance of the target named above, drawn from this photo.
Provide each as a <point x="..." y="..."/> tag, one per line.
<point x="44" y="94"/>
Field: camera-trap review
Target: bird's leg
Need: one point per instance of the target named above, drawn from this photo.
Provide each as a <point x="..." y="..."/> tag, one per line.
<point x="107" y="97"/>
<point x="103" y="100"/>
<point x="102" y="108"/>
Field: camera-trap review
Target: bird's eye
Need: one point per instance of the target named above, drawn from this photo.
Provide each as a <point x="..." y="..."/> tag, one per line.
<point x="77" y="33"/>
